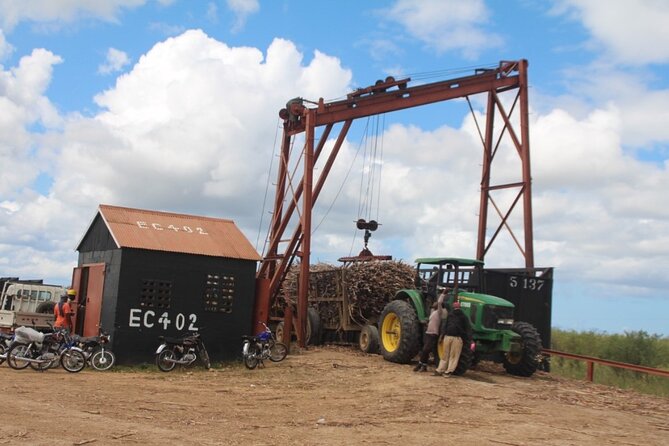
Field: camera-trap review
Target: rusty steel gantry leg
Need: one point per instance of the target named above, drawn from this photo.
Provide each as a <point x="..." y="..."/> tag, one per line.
<point x="522" y="145"/>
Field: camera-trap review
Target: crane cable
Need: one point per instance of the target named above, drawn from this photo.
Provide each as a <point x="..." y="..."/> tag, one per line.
<point x="371" y="172"/>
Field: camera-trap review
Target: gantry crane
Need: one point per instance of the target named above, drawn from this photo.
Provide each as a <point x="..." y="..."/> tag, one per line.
<point x="291" y="227"/>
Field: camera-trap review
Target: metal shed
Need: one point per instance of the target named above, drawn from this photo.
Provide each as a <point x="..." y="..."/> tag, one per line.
<point x="143" y="273"/>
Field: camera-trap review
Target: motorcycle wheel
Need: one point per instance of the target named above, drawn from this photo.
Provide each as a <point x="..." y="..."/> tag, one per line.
<point x="204" y="357"/>
<point x="3" y="353"/>
<point x="15" y="355"/>
<point x="278" y="352"/>
<point x="163" y="360"/>
<point x="251" y="358"/>
<point x="103" y="360"/>
<point x="73" y="360"/>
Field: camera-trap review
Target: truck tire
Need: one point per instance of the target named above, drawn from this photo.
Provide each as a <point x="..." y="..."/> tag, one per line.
<point x="526" y="362"/>
<point x="369" y="339"/>
<point x="45" y="307"/>
<point x="399" y="332"/>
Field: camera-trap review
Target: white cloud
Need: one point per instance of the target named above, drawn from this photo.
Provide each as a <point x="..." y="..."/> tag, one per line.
<point x="116" y="60"/>
<point x="242" y="9"/>
<point x="22" y="105"/>
<point x="15" y="11"/>
<point x="447" y="25"/>
<point x="5" y="47"/>
<point x="633" y="32"/>
<point x="189" y="128"/>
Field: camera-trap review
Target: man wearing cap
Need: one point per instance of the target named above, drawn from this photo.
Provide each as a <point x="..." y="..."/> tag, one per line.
<point x="63" y="310"/>
<point x="456" y="330"/>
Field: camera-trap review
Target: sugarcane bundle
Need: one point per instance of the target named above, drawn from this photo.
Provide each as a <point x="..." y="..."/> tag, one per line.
<point x="368" y="287"/>
<point x="371" y="285"/>
<point x="319" y="285"/>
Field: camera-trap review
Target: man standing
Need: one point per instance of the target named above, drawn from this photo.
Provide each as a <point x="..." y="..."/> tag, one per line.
<point x="63" y="311"/>
<point x="431" y="333"/>
<point x="456" y="331"/>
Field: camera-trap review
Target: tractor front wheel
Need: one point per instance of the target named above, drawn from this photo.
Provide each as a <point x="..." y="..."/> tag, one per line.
<point x="399" y="332"/>
<point x="526" y="361"/>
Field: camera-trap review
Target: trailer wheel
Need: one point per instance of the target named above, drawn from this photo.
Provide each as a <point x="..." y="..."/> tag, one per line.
<point x="525" y="362"/>
<point x="399" y="332"/>
<point x="278" y="332"/>
<point x="314" y="327"/>
<point x="369" y="339"/>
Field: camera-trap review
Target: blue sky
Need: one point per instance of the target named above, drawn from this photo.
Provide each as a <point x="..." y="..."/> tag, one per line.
<point x="172" y="105"/>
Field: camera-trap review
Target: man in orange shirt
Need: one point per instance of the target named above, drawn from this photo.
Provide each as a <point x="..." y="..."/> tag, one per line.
<point x="63" y="312"/>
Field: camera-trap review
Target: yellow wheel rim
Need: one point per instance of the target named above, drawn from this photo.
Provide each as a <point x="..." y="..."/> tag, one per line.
<point x="440" y="348"/>
<point x="391" y="332"/>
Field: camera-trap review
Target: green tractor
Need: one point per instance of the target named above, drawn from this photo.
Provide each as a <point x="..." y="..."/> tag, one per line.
<point x="496" y="335"/>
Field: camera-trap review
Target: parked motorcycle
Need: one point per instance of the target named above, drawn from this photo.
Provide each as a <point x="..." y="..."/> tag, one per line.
<point x="256" y="349"/>
<point x="6" y="340"/>
<point x="95" y="350"/>
<point x="183" y="351"/>
<point x="43" y="350"/>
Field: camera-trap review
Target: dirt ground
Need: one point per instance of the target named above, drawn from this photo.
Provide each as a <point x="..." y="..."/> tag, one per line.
<point x="321" y="396"/>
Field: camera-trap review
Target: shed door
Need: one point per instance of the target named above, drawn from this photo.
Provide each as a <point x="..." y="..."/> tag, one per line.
<point x="89" y="281"/>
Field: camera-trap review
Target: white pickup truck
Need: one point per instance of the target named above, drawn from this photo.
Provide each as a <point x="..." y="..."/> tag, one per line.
<point x="27" y="303"/>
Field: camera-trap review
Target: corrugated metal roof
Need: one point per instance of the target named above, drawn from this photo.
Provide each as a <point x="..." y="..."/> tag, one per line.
<point x="165" y="231"/>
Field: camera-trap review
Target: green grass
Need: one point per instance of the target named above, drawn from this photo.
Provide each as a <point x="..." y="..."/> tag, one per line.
<point x="635" y="347"/>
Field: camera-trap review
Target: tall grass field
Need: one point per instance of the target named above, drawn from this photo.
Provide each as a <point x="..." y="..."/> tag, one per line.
<point x="634" y="347"/>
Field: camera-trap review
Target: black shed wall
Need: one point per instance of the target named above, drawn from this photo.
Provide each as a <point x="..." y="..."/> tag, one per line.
<point x="97" y="238"/>
<point x="168" y="294"/>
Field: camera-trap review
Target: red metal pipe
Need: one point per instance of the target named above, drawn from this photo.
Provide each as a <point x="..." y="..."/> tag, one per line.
<point x="620" y="365"/>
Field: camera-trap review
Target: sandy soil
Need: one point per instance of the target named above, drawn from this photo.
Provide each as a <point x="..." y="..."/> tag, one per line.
<point x="321" y="396"/>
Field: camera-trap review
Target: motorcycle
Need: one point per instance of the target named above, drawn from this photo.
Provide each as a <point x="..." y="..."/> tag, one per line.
<point x="255" y="349"/>
<point x="6" y="340"/>
<point x="95" y="351"/>
<point x="43" y="350"/>
<point x="183" y="351"/>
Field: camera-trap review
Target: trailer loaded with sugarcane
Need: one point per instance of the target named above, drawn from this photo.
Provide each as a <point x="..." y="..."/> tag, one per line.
<point x="345" y="301"/>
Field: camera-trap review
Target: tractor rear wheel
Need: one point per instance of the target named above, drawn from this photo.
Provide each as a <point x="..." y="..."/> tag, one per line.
<point x="369" y="339"/>
<point x="399" y="332"/>
<point x="526" y="361"/>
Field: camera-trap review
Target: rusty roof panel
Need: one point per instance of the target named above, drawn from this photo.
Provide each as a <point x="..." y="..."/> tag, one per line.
<point x="164" y="231"/>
